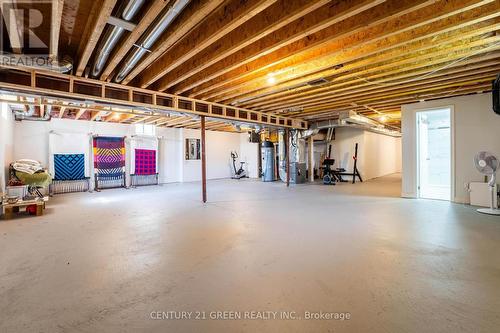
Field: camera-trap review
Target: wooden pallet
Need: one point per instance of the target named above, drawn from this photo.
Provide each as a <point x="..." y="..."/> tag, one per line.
<point x="11" y="209"/>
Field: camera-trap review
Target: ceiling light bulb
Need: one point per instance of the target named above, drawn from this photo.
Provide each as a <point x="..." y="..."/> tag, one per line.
<point x="383" y="119"/>
<point x="271" y="80"/>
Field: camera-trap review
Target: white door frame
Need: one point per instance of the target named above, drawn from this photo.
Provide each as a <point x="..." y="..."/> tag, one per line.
<point x="452" y="148"/>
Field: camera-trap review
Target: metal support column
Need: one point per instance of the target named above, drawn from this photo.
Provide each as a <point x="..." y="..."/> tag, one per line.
<point x="311" y="159"/>
<point x="287" y="153"/>
<point x="203" y="161"/>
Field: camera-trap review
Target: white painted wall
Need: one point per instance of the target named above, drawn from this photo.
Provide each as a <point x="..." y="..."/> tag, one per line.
<point x="170" y="155"/>
<point x="32" y="142"/>
<point x="6" y="143"/>
<point x="476" y="128"/>
<point x="219" y="162"/>
<point x="249" y="153"/>
<point x="381" y="155"/>
<point x="219" y="146"/>
<point x="378" y="155"/>
<point x="343" y="149"/>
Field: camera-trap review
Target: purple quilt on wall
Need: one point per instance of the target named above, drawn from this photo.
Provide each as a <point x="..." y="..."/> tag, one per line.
<point x="109" y="157"/>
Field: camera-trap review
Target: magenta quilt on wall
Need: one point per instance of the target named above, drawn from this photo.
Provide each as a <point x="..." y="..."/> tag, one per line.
<point x="145" y="162"/>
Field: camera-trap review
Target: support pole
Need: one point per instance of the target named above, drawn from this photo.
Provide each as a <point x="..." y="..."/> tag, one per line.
<point x="287" y="153"/>
<point x="311" y="159"/>
<point x="203" y="161"/>
<point x="355" y="169"/>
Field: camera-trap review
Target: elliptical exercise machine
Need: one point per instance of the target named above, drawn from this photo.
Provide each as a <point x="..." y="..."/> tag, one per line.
<point x="241" y="172"/>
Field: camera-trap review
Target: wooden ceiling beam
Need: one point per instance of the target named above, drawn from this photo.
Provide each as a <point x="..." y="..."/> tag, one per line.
<point x="417" y="93"/>
<point x="156" y="7"/>
<point x="341" y="17"/>
<point x="110" y="117"/>
<point x="357" y="94"/>
<point x="329" y="113"/>
<point x="328" y="110"/>
<point x="408" y="28"/>
<point x="80" y="113"/>
<point x="118" y="117"/>
<point x="405" y="26"/>
<point x="62" y="109"/>
<point x="209" y="125"/>
<point x="126" y="117"/>
<point x="95" y="114"/>
<point x="181" y="123"/>
<point x="42" y="108"/>
<point x="406" y="68"/>
<point x="84" y="89"/>
<point x="217" y="124"/>
<point x="196" y="125"/>
<point x="224" y="127"/>
<point x="189" y="18"/>
<point x="222" y="21"/>
<point x="178" y="120"/>
<point x="153" y="121"/>
<point x="101" y="11"/>
<point x="55" y="29"/>
<point x="268" y="21"/>
<point x="295" y="79"/>
<point x="353" y="70"/>
<point x="141" y="119"/>
<point x="368" y="89"/>
<point x="166" y="120"/>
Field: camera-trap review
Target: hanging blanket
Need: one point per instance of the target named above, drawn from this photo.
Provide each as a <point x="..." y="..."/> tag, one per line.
<point x="69" y="166"/>
<point x="109" y="157"/>
<point x="69" y="143"/>
<point x="144" y="151"/>
<point x="145" y="162"/>
<point x="39" y="179"/>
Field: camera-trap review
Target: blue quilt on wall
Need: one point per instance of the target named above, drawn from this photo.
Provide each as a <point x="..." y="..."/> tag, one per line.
<point x="69" y="166"/>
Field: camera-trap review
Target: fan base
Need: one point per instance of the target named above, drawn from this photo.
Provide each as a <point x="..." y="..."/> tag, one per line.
<point x="489" y="211"/>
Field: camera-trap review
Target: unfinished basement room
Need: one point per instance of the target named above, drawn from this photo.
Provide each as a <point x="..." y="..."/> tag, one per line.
<point x="249" y="166"/>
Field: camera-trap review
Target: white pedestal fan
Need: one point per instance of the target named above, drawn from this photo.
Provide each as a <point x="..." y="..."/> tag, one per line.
<point x="487" y="164"/>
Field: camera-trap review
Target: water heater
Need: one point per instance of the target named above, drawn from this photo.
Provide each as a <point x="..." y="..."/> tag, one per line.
<point x="267" y="153"/>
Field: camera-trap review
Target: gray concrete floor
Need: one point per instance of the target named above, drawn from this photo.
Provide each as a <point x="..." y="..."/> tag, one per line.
<point x="102" y="262"/>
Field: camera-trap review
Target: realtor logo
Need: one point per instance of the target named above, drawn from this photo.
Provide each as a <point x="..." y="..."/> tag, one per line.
<point x="25" y="32"/>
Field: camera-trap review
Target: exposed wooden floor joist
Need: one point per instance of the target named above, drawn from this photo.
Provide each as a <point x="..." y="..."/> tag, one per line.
<point x="284" y="59"/>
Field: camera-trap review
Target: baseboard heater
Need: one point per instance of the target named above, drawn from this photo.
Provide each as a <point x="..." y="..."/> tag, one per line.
<point x="69" y="186"/>
<point x="144" y="180"/>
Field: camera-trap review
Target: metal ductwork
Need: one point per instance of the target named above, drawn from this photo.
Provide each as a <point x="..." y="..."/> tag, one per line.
<point x="296" y="150"/>
<point x="308" y="133"/>
<point x="151" y="37"/>
<point x="297" y="147"/>
<point x="20" y="115"/>
<point x="28" y="115"/>
<point x="353" y="120"/>
<point x="282" y="156"/>
<point x="113" y="36"/>
<point x="63" y="66"/>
